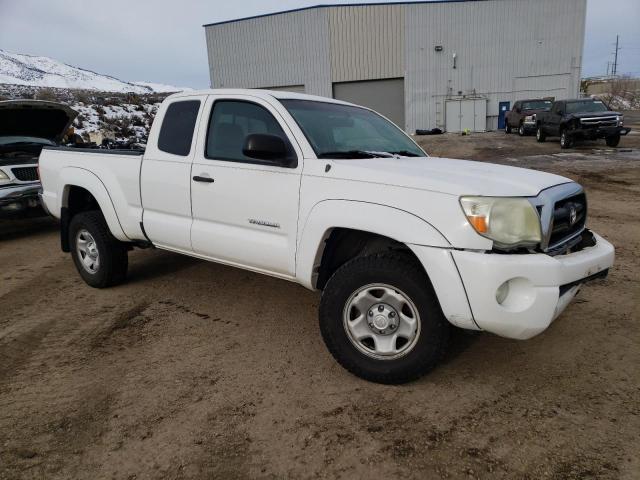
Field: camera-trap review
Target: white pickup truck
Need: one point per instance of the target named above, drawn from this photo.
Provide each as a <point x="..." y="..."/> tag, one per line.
<point x="336" y="198"/>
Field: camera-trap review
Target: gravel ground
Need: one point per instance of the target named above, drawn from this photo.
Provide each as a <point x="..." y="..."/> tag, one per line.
<point x="196" y="370"/>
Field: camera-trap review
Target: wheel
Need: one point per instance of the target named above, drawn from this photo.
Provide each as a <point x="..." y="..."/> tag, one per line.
<point x="521" y="130"/>
<point x="540" y="135"/>
<point x="565" y="140"/>
<point x="381" y="320"/>
<point x="99" y="257"/>
<point x="613" y="141"/>
<point x="507" y="127"/>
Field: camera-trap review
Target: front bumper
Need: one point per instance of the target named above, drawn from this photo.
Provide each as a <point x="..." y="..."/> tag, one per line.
<point x="598" y="132"/>
<point x="529" y="127"/>
<point x="15" y="199"/>
<point x="541" y="286"/>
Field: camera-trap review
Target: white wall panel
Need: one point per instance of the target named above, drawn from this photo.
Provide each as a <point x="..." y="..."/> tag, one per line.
<point x="275" y="50"/>
<point x="496" y="42"/>
<point x="367" y="42"/>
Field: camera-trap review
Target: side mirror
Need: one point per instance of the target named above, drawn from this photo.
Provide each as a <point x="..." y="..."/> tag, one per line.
<point x="266" y="147"/>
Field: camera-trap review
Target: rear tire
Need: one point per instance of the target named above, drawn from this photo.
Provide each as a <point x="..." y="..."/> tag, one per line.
<point x="100" y="258"/>
<point x="540" y="135"/>
<point x="368" y="294"/>
<point x="507" y="127"/>
<point x="613" y="141"/>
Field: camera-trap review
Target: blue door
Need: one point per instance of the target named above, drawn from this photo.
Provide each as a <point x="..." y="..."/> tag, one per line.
<point x="503" y="108"/>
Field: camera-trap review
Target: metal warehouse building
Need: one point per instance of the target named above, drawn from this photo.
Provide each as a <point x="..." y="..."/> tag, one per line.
<point x="448" y="64"/>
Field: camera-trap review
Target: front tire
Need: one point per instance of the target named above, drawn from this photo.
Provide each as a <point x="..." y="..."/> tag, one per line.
<point x="101" y="259"/>
<point x="565" y="139"/>
<point x="521" y="131"/>
<point x="540" y="135"/>
<point x="381" y="320"/>
<point x="613" y="141"/>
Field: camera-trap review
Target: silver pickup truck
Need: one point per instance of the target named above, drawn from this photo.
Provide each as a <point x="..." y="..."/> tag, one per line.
<point x="26" y="126"/>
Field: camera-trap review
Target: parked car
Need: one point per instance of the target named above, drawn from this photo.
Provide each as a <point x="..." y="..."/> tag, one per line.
<point x="26" y="126"/>
<point x="584" y="118"/>
<point x="522" y="117"/>
<point x="336" y="198"/>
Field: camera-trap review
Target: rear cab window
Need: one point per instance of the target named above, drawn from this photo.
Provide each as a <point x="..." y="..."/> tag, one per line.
<point x="178" y="125"/>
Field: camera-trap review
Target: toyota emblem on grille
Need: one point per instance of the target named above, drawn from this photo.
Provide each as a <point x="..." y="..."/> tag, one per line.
<point x="573" y="215"/>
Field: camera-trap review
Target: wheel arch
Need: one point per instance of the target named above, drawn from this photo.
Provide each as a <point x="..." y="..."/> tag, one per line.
<point x="337" y="230"/>
<point x="81" y="190"/>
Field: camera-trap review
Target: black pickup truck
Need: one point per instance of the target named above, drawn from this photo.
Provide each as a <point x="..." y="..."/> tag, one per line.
<point x="584" y="118"/>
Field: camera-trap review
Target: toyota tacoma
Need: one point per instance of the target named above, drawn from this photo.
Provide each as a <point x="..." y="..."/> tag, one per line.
<point x="335" y="197"/>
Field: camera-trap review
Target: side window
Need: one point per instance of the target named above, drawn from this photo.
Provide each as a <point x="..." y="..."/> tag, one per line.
<point x="231" y="122"/>
<point x="516" y="106"/>
<point x="177" y="128"/>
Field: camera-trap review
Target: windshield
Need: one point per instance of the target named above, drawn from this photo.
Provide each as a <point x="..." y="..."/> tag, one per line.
<point x="344" y="131"/>
<point x="586" y="106"/>
<point x="537" y="105"/>
<point x="12" y="140"/>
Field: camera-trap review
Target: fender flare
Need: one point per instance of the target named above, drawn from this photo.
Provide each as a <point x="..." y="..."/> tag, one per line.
<point x="80" y="177"/>
<point x="391" y="222"/>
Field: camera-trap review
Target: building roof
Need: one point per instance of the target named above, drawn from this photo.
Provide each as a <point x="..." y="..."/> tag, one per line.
<point x="314" y="7"/>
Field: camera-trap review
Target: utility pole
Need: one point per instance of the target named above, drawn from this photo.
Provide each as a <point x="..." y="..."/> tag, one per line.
<point x="614" y="70"/>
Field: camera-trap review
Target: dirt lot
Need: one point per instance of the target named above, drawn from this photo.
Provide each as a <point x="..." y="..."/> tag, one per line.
<point x="195" y="370"/>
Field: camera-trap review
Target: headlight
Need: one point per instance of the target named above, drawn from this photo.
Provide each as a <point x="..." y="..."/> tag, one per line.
<point x="620" y="119"/>
<point x="3" y="176"/>
<point x="509" y="222"/>
<point x="530" y="118"/>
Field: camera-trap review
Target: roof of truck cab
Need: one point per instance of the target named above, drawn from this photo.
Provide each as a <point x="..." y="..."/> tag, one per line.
<point x="259" y="93"/>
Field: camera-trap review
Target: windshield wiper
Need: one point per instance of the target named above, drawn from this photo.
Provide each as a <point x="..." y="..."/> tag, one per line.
<point x="405" y="153"/>
<point x="353" y="154"/>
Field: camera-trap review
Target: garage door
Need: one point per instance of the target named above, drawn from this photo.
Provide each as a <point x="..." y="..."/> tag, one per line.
<point x="288" y="88"/>
<point x="384" y="96"/>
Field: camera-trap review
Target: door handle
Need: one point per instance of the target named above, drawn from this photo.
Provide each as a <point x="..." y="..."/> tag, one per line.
<point x="198" y="178"/>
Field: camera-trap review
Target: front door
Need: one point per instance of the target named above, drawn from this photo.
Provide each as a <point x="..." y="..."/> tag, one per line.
<point x="245" y="212"/>
<point x="503" y="108"/>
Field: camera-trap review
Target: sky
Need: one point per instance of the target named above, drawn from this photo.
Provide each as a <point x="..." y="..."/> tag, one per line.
<point x="163" y="40"/>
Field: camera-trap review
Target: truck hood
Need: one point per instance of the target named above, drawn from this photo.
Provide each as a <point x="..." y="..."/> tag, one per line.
<point x="446" y="175"/>
<point x="535" y="111"/>
<point x="595" y="114"/>
<point x="35" y="118"/>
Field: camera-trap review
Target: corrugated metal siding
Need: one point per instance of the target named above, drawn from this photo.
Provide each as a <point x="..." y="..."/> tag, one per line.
<point x="367" y="42"/>
<point x="506" y="50"/>
<point x="290" y="49"/>
<point x="496" y="43"/>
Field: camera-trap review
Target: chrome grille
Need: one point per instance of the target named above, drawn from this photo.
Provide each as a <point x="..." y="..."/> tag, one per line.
<point x="563" y="215"/>
<point x="26" y="174"/>
<point x="599" y="121"/>
<point x="569" y="219"/>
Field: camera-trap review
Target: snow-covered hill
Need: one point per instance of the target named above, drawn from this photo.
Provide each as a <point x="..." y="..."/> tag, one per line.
<point x="19" y="69"/>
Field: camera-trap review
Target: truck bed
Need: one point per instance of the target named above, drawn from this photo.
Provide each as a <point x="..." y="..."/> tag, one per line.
<point x="114" y="151"/>
<point x="115" y="175"/>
